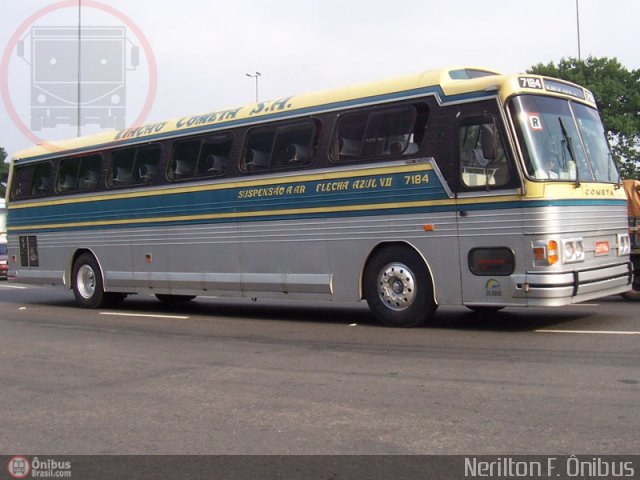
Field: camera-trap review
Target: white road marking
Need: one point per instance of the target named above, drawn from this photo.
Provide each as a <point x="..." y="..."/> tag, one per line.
<point x="590" y="332"/>
<point x="123" y="314"/>
<point x="20" y="287"/>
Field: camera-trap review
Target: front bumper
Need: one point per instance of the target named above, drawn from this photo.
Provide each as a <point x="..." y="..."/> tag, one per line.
<point x="562" y="288"/>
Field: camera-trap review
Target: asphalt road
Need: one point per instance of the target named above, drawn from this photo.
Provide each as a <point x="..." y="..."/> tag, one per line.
<point x="232" y="377"/>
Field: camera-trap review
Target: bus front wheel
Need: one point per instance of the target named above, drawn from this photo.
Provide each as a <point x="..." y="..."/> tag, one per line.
<point x="87" y="284"/>
<point x="398" y="288"/>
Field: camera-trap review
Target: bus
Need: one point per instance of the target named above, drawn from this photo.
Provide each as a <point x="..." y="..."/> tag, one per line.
<point x="460" y="186"/>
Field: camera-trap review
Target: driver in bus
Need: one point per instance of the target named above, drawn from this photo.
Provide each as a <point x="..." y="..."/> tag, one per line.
<point x="550" y="163"/>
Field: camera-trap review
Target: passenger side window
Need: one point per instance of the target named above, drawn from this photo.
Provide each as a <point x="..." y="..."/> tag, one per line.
<point x="68" y="175"/>
<point x="122" y="167"/>
<point x="482" y="158"/>
<point x="293" y="145"/>
<point x="22" y="179"/>
<point x="32" y="181"/>
<point x="147" y="164"/>
<point x="89" y="173"/>
<point x="200" y="157"/>
<point x="282" y="147"/>
<point x="78" y="174"/>
<point x="390" y="132"/>
<point x="136" y="165"/>
<point x="42" y="176"/>
<point x="258" y="150"/>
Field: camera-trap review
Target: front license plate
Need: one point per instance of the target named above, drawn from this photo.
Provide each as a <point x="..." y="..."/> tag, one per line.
<point x="602" y="249"/>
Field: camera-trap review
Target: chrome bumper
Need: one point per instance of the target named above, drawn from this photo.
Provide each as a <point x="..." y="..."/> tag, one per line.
<point x="561" y="288"/>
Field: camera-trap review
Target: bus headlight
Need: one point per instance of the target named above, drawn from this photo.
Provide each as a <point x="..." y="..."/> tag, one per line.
<point x="572" y="250"/>
<point x="624" y="244"/>
<point x="545" y="252"/>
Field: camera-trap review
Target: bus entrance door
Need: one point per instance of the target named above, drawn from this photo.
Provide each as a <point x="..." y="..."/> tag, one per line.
<point x="489" y="222"/>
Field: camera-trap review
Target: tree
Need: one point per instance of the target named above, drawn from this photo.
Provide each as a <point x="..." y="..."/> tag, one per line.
<point x="617" y="92"/>
<point x="4" y="172"/>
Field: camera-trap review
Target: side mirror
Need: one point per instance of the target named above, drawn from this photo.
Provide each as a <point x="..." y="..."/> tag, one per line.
<point x="20" y="48"/>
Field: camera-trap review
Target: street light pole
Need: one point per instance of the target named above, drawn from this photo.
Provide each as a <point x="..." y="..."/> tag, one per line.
<point x="79" y="106"/>
<point x="578" y="28"/>
<point x="255" y="75"/>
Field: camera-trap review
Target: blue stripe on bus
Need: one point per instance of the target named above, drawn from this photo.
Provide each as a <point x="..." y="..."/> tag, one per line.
<point x="247" y="213"/>
<point x="376" y="189"/>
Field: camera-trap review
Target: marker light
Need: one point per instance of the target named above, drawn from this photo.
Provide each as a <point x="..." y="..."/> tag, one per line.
<point x="552" y="252"/>
<point x="545" y="252"/>
<point x="624" y="244"/>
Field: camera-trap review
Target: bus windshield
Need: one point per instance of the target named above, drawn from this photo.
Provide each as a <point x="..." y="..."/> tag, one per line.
<point x="562" y="140"/>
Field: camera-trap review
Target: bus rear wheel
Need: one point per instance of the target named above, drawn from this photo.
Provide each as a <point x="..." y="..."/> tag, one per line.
<point x="88" y="289"/>
<point x="398" y="288"/>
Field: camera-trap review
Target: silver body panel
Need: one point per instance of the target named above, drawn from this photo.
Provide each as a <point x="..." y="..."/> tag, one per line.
<point x="324" y="258"/>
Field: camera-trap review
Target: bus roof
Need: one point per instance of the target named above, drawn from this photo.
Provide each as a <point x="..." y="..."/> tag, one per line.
<point x="448" y="85"/>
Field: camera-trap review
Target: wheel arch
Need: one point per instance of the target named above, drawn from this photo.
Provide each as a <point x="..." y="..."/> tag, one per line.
<point x="403" y="244"/>
<point x="74" y="257"/>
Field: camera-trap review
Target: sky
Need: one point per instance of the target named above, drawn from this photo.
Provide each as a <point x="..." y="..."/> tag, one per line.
<point x="197" y="52"/>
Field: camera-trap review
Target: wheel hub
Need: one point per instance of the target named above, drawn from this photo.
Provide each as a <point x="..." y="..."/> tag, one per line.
<point x="397" y="286"/>
<point x="86" y="281"/>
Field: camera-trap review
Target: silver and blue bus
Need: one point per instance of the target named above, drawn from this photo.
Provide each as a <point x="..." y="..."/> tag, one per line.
<point x="453" y="187"/>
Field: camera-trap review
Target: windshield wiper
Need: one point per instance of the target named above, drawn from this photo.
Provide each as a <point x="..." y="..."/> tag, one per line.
<point x="610" y="162"/>
<point x="567" y="140"/>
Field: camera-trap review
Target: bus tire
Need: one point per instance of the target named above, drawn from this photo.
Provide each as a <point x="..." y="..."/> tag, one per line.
<point x="398" y="287"/>
<point x="86" y="280"/>
<point x="631" y="295"/>
<point x="173" y="299"/>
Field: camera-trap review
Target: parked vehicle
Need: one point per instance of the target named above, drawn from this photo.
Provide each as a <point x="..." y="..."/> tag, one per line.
<point x="4" y="264"/>
<point x="632" y="188"/>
